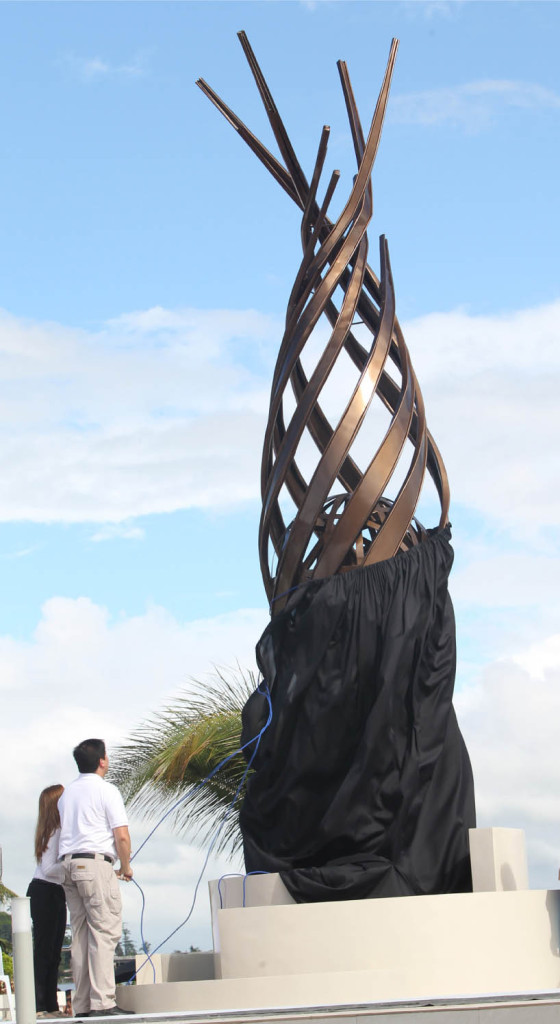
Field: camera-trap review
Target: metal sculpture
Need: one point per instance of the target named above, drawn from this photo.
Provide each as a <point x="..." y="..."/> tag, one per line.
<point x="343" y="518"/>
<point x="361" y="784"/>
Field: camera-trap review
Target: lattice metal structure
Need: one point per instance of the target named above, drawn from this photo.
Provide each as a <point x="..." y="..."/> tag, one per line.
<point x="344" y="518"/>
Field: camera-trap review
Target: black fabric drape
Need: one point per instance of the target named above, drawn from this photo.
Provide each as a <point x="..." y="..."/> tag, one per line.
<point x="363" y="785"/>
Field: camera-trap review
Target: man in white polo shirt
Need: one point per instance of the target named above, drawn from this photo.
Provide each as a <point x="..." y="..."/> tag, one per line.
<point x="94" y="833"/>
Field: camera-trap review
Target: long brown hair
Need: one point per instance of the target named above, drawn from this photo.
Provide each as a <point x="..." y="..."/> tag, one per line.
<point x="49" y="818"/>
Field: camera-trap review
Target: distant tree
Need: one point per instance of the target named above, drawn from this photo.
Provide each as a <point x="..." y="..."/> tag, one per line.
<point x="5" y="932"/>
<point x="126" y="946"/>
<point x="5" y="895"/>
<point x="8" y="962"/>
<point x="174" y="751"/>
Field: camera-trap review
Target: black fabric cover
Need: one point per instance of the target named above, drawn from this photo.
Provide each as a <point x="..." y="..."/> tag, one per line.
<point x="363" y="785"/>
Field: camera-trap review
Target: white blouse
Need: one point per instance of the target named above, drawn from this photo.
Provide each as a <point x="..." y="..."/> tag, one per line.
<point x="48" y="869"/>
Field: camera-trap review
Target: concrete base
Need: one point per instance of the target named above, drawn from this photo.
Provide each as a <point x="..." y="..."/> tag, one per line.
<point x="303" y="990"/>
<point x="375" y="950"/>
<point x="410" y="946"/>
<point x="274" y="956"/>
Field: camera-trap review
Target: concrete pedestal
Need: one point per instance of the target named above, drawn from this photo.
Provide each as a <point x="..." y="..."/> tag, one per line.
<point x="271" y="953"/>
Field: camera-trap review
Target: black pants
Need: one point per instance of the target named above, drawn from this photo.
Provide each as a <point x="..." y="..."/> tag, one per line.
<point x="48" y="913"/>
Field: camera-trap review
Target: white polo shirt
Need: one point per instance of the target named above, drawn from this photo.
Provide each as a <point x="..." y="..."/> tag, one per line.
<point x="90" y="809"/>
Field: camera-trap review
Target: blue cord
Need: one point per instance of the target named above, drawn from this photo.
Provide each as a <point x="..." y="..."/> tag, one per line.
<point x="237" y="874"/>
<point x="144" y="946"/>
<point x="286" y="592"/>
<point x="229" y="874"/>
<point x="245" y="877"/>
<point x="256" y="740"/>
<point x="191" y="793"/>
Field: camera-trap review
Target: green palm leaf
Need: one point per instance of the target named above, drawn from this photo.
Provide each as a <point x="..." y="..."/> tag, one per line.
<point x="170" y="754"/>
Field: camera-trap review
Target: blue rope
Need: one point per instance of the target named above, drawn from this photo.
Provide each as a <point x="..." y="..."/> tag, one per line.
<point x="245" y="877"/>
<point x="144" y="946"/>
<point x="229" y="874"/>
<point x="256" y="740"/>
<point x="286" y="592"/>
<point x="193" y="792"/>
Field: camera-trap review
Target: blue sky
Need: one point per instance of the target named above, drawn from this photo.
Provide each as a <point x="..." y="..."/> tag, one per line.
<point x="145" y="265"/>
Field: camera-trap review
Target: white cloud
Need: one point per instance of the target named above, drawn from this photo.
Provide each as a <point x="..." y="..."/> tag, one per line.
<point x="542" y="659"/>
<point x="20" y="553"/>
<point x="490" y="384"/>
<point x="95" y="68"/>
<point x="431" y="9"/>
<point x="118" y="531"/>
<point x="509" y="720"/>
<point x="473" y="106"/>
<point x="512" y="580"/>
<point x="506" y="601"/>
<point x="124" y="665"/>
<point x="165" y="409"/>
<point x="84" y="674"/>
<point x="156" y="412"/>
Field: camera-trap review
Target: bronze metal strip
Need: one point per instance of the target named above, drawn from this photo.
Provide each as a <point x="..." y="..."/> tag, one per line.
<point x="334" y="532"/>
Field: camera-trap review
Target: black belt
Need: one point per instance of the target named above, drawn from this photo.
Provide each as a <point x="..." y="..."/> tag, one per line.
<point x="87" y="856"/>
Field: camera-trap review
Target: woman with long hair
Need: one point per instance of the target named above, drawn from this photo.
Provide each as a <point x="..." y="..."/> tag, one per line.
<point x="48" y="904"/>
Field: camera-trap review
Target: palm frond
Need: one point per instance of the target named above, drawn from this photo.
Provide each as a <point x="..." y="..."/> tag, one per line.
<point x="170" y="755"/>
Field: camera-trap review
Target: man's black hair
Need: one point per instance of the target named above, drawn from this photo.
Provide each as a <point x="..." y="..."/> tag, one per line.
<point x="87" y="755"/>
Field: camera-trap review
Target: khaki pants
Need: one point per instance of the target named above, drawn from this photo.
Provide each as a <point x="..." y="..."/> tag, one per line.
<point x="94" y="902"/>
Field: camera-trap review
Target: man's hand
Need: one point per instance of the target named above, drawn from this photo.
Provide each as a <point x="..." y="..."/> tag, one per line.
<point x="122" y="842"/>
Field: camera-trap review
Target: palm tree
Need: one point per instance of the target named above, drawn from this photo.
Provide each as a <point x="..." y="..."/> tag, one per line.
<point x="162" y="766"/>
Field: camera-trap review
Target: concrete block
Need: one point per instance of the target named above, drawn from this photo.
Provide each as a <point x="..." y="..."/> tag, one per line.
<point x="170" y="967"/>
<point x="498" y="859"/>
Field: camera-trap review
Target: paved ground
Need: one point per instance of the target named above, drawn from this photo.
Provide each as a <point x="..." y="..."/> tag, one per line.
<point x="532" y="1008"/>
